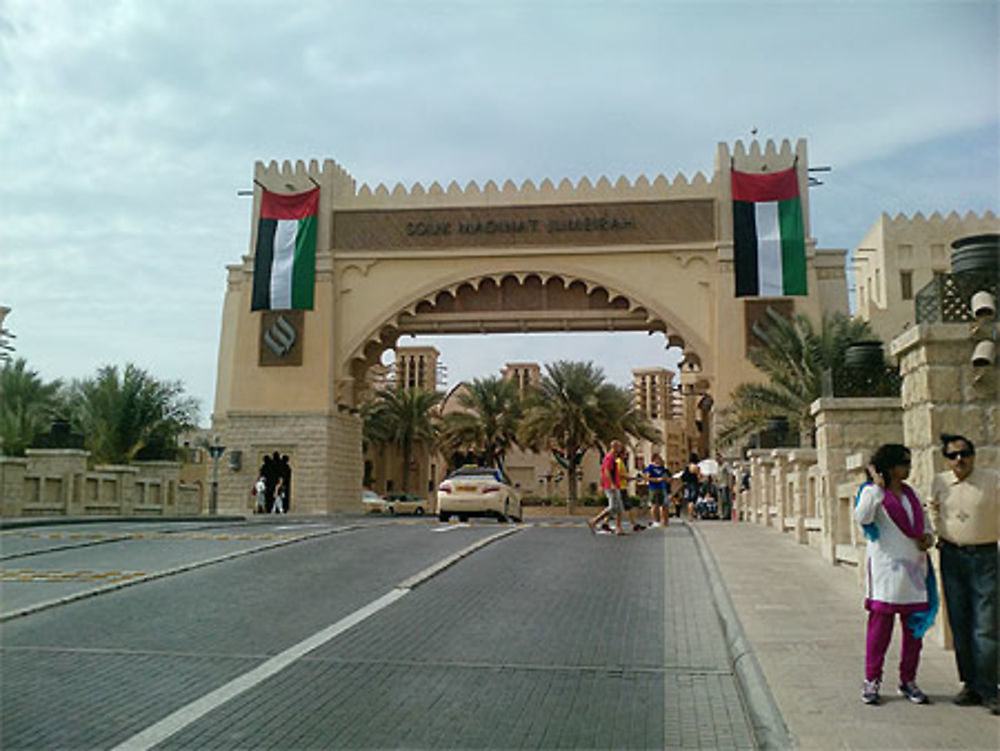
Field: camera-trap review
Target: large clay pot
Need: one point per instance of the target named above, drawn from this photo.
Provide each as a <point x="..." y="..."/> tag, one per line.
<point x="864" y="355"/>
<point x="978" y="254"/>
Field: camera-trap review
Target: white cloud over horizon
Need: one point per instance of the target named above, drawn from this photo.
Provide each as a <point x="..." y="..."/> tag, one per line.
<point x="128" y="126"/>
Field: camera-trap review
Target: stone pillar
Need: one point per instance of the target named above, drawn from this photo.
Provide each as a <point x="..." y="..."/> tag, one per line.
<point x="799" y="462"/>
<point x="779" y="482"/>
<point x="845" y="426"/>
<point x="169" y="475"/>
<point x="68" y="466"/>
<point x="943" y="393"/>
<point x="324" y="452"/>
<point x="12" y="471"/>
<point x="758" y="483"/>
<point x="123" y="476"/>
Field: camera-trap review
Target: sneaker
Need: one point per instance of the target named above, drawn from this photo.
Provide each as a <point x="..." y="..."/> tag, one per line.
<point x="869" y="691"/>
<point x="913" y="693"/>
<point x="654" y="525"/>
<point x="967" y="697"/>
<point x="606" y="528"/>
<point x="637" y="528"/>
<point x="992" y="705"/>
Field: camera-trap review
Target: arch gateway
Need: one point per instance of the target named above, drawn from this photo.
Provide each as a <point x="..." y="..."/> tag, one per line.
<point x="625" y="256"/>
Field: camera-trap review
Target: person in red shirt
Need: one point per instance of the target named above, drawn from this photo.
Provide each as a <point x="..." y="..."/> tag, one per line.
<point x="611" y="481"/>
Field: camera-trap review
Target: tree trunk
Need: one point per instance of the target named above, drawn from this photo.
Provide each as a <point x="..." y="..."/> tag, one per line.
<point x="571" y="483"/>
<point x="407" y="455"/>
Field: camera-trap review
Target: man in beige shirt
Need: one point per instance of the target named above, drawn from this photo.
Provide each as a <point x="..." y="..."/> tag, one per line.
<point x="965" y="511"/>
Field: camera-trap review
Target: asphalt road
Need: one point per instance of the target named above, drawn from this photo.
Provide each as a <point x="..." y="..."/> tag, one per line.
<point x="360" y="633"/>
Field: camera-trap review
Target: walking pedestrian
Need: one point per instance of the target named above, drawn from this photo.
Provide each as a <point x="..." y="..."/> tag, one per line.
<point x="611" y="479"/>
<point x="279" y="496"/>
<point x="690" y="483"/>
<point x="658" y="477"/>
<point x="899" y="578"/>
<point x="630" y="503"/>
<point x="965" y="510"/>
<point x="259" y="495"/>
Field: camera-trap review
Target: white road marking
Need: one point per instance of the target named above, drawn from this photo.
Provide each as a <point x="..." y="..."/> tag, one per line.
<point x="191" y="713"/>
<point x="450" y="527"/>
<point x="197" y="709"/>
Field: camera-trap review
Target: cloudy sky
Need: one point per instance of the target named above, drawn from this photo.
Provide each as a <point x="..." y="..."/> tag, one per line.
<point x="127" y="128"/>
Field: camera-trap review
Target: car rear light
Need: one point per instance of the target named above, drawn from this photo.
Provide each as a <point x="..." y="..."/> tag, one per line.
<point x="444" y="487"/>
<point x="490" y="488"/>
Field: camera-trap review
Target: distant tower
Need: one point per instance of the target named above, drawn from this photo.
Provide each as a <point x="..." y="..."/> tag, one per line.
<point x="416" y="367"/>
<point x="525" y="374"/>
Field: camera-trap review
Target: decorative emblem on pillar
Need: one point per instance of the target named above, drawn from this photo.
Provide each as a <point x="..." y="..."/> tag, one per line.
<point x="281" y="338"/>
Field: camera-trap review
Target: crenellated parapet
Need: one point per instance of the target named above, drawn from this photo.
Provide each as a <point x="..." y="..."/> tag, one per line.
<point x="769" y="158"/>
<point x="298" y="176"/>
<point x="528" y="193"/>
<point x="968" y="223"/>
<point x="347" y="194"/>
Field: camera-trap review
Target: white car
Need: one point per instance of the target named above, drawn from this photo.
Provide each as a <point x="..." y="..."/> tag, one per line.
<point x="374" y="503"/>
<point x="478" y="491"/>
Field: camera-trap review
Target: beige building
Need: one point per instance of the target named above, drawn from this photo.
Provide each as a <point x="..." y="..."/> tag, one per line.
<point x="898" y="256"/>
<point x="660" y="399"/>
<point x="652" y="255"/>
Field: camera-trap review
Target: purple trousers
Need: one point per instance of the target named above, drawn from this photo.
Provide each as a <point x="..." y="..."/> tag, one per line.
<point x="879" y="636"/>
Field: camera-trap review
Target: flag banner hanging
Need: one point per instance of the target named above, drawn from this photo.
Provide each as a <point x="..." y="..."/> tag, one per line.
<point x="284" y="265"/>
<point x="769" y="244"/>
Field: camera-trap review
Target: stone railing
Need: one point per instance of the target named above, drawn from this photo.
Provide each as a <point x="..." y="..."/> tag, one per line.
<point x="809" y="492"/>
<point x="57" y="482"/>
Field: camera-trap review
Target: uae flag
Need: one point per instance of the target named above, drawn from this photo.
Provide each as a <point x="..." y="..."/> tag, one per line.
<point x="284" y="265"/>
<point x="769" y="244"/>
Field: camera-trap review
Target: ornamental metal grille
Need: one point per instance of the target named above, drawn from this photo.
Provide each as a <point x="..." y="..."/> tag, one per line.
<point x="860" y="382"/>
<point x="945" y="299"/>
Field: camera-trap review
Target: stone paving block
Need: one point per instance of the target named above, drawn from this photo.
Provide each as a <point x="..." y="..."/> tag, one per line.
<point x="86" y="700"/>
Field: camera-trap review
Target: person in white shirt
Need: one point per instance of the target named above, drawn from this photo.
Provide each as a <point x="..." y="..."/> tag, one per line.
<point x="897" y="570"/>
<point x="965" y="510"/>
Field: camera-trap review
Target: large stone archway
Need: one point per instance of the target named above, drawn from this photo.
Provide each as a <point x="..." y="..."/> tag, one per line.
<point x="629" y="256"/>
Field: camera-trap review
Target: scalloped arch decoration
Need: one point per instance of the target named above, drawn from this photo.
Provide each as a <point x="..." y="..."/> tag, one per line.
<point x="385" y="335"/>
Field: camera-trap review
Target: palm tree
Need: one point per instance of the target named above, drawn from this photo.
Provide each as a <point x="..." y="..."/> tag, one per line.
<point x="489" y="424"/>
<point x="27" y="406"/>
<point x="794" y="359"/>
<point x="119" y="414"/>
<point x="404" y="418"/>
<point x="572" y="409"/>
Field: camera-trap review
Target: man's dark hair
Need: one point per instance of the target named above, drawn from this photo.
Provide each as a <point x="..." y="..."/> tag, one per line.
<point x="888" y="456"/>
<point x="947" y="438"/>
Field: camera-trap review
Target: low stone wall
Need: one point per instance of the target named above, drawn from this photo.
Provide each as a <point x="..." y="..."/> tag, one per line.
<point x="57" y="482"/>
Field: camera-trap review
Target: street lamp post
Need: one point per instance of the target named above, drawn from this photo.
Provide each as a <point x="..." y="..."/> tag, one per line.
<point x="216" y="450"/>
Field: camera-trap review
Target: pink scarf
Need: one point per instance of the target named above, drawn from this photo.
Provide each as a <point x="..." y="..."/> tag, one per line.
<point x="894" y="508"/>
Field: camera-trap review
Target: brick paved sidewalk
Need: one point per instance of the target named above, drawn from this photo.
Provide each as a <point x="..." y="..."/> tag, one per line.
<point x="805" y="622"/>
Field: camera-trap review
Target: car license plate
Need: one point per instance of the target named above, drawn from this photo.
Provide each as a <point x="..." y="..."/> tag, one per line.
<point x="466" y="488"/>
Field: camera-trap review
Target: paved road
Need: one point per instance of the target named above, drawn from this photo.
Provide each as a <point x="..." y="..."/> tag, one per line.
<point x="318" y="636"/>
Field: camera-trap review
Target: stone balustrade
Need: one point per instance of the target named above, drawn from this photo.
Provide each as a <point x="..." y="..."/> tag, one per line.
<point x="57" y="482"/>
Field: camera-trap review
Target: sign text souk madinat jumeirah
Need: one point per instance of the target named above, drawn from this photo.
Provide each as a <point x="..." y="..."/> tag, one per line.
<point x="595" y="223"/>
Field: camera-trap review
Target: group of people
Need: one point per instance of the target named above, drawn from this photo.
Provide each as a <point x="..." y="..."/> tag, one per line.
<point x="270" y="492"/>
<point x="693" y="493"/>
<point x="962" y="520"/>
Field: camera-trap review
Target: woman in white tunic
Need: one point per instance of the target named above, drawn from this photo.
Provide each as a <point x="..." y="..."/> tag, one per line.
<point x="897" y="570"/>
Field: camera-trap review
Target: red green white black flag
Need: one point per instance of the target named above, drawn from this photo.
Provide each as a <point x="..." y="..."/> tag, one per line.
<point x="769" y="245"/>
<point x="284" y="265"/>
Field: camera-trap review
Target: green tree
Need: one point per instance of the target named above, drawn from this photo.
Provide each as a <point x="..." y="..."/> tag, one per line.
<point x="27" y="406"/>
<point x="404" y="418"/>
<point x="573" y="408"/>
<point x="120" y="413"/>
<point x="794" y="357"/>
<point x="489" y="424"/>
